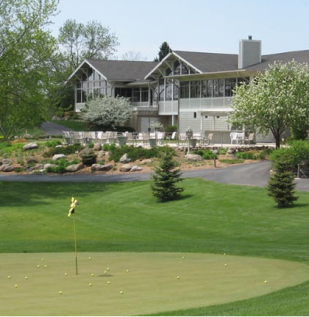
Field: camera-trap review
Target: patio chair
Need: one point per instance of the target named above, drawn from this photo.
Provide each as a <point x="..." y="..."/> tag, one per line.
<point x="249" y="139"/>
<point x="160" y="137"/>
<point x="207" y="139"/>
<point x="234" y="137"/>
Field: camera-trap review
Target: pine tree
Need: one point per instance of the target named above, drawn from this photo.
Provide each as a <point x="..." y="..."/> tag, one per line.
<point x="164" y="50"/>
<point x="166" y="176"/>
<point x="281" y="184"/>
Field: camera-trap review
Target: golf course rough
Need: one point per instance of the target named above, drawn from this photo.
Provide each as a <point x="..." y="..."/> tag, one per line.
<point x="151" y="286"/>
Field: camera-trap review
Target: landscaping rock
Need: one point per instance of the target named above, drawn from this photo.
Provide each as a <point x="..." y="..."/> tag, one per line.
<point x="126" y="168"/>
<point x="193" y="157"/>
<point x="48" y="165"/>
<point x="125" y="159"/>
<point x="101" y="154"/>
<point x="101" y="168"/>
<point x="30" y="146"/>
<point x="32" y="160"/>
<point x="146" y="161"/>
<point x="74" y="167"/>
<point x="97" y="147"/>
<point x="136" y="168"/>
<point x="6" y="161"/>
<point x="6" y="168"/>
<point x="58" y="157"/>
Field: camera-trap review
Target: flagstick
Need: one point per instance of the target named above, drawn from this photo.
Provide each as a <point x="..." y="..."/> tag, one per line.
<point x="74" y="225"/>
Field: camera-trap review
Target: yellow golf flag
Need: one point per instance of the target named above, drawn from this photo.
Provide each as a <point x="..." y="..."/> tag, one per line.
<point x="74" y="203"/>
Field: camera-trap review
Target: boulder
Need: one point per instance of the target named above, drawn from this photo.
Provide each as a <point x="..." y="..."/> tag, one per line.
<point x="101" y="168"/>
<point x="47" y="165"/>
<point x="101" y="154"/>
<point x="136" y="168"/>
<point x="58" y="157"/>
<point x="32" y="160"/>
<point x="125" y="159"/>
<point x="146" y="161"/>
<point x="6" y="168"/>
<point x="125" y="168"/>
<point x="193" y="157"/>
<point x="97" y="147"/>
<point x="6" y="161"/>
<point x="74" y="167"/>
<point x="30" y="146"/>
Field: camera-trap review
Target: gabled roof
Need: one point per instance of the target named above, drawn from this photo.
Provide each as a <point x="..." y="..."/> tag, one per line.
<point x="122" y="70"/>
<point x="298" y="56"/>
<point x="210" y="62"/>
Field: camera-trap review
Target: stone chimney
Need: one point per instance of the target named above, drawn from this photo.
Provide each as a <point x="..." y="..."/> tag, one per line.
<point x="250" y="52"/>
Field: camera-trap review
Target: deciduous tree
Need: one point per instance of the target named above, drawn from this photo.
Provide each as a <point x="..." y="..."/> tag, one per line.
<point x="107" y="111"/>
<point x="274" y="101"/>
<point x="27" y="55"/>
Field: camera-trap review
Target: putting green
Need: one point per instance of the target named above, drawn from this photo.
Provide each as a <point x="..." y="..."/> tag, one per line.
<point x="135" y="283"/>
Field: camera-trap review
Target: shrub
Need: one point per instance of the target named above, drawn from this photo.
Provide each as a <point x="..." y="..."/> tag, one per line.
<point x="53" y="143"/>
<point x="138" y="153"/>
<point x="59" y="169"/>
<point x="246" y="155"/>
<point x="222" y="151"/>
<point x="206" y="154"/>
<point x="66" y="150"/>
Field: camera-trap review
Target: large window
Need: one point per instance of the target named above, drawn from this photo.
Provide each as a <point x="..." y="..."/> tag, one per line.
<point x="195" y="89"/>
<point x="136" y="95"/>
<point x="230" y="84"/>
<point x="161" y="89"/>
<point x="123" y="92"/>
<point x="90" y="85"/>
<point x="218" y="87"/>
<point x="207" y="88"/>
<point x="145" y="96"/>
<point x="222" y="87"/>
<point x="184" y="89"/>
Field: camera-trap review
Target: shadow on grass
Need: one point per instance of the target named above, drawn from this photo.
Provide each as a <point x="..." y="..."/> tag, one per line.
<point x="14" y="194"/>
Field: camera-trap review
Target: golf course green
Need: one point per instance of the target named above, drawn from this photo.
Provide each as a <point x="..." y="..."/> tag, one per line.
<point x="122" y="227"/>
<point x="135" y="283"/>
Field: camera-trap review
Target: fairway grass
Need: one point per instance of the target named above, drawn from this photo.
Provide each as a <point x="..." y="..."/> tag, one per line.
<point x="139" y="283"/>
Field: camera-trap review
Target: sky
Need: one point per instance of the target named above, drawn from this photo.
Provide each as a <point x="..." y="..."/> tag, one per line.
<point x="214" y="26"/>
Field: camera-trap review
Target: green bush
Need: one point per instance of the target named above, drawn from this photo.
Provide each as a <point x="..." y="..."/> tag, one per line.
<point x="246" y="155"/>
<point x="109" y="147"/>
<point x="59" y="169"/>
<point x="223" y="151"/>
<point x="206" y="154"/>
<point x="66" y="150"/>
<point x="138" y="153"/>
<point x="53" y="143"/>
<point x="297" y="152"/>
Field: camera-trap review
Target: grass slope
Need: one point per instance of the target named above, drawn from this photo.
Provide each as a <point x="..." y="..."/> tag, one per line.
<point x="210" y="217"/>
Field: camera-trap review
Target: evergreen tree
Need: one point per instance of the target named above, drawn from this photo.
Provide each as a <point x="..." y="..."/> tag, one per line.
<point x="164" y="50"/>
<point x="166" y="176"/>
<point x="281" y="184"/>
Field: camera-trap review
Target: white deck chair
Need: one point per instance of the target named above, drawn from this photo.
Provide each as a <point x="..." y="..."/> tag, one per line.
<point x="234" y="137"/>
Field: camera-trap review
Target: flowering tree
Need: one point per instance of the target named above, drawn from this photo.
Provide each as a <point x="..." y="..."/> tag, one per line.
<point x="275" y="100"/>
<point x="107" y="111"/>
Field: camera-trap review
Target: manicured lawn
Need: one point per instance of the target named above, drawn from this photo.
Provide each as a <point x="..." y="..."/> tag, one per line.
<point x="210" y="218"/>
<point x="125" y="283"/>
<point x="74" y="125"/>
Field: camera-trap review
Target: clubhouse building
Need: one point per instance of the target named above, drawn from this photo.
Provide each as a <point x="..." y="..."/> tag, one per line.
<point x="187" y="89"/>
